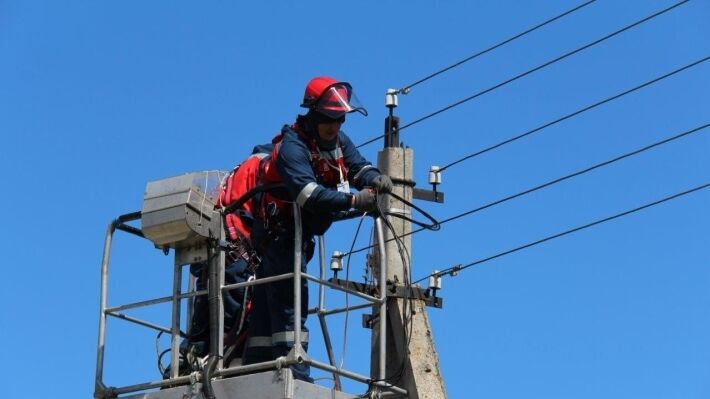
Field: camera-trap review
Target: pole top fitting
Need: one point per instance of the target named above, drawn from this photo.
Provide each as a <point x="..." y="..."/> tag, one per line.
<point x="435" y="282"/>
<point x="391" y="98"/>
<point x="434" y="175"/>
<point x="336" y="261"/>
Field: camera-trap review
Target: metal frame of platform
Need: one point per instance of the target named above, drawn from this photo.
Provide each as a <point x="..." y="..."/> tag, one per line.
<point x="276" y="384"/>
<point x="237" y="382"/>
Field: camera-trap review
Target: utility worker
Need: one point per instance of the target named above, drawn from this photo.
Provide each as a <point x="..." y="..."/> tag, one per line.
<point x="317" y="164"/>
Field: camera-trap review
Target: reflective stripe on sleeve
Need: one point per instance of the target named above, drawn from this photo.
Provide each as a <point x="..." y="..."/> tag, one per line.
<point x="257" y="341"/>
<point x="306" y="192"/>
<point x="288" y="337"/>
<point x="361" y="171"/>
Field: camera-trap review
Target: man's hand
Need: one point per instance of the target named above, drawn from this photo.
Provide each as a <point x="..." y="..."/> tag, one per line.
<point x="364" y="200"/>
<point x="383" y="184"/>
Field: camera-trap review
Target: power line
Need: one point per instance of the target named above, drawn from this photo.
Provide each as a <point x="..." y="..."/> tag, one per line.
<point x="579" y="172"/>
<point x="455" y="269"/>
<point x="406" y="89"/>
<point x="573" y="114"/>
<point x="561" y="179"/>
<point x="530" y="71"/>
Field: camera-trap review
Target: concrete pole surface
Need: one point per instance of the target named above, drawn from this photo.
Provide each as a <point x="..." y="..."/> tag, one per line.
<point x="414" y="364"/>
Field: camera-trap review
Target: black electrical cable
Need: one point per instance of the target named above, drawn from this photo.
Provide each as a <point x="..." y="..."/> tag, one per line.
<point x="160" y="354"/>
<point x="573" y="114"/>
<point x="434" y="225"/>
<point x="162" y="368"/>
<point x="407" y="306"/>
<point x="406" y="89"/>
<point x="458" y="268"/>
<point x="563" y="178"/>
<point x="406" y="262"/>
<point x="581" y="172"/>
<point x="530" y="71"/>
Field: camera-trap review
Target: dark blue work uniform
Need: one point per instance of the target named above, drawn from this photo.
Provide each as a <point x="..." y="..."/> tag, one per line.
<point x="272" y="321"/>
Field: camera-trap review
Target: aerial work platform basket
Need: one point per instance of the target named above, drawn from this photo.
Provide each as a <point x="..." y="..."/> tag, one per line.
<point x="179" y="214"/>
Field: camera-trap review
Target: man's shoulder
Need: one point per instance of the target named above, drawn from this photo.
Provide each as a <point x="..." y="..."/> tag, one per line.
<point x="292" y="144"/>
<point x="344" y="136"/>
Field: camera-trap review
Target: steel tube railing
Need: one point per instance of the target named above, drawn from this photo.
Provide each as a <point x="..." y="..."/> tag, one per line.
<point x="250" y="368"/>
<point x="103" y="296"/>
<point x="297" y="255"/>
<point x="175" y="322"/>
<point x="341" y="288"/>
<point x="321" y="309"/>
<point x="329" y="349"/>
<point x="298" y="356"/>
<point x="142" y="322"/>
<point x="184" y="380"/>
<point x="383" y="297"/>
<point x="343" y="309"/>
<point x="221" y="264"/>
<point x="103" y="299"/>
<point x="191" y="287"/>
<point x="357" y="377"/>
<point x="321" y="261"/>
<point x="155" y="301"/>
<point x="263" y="280"/>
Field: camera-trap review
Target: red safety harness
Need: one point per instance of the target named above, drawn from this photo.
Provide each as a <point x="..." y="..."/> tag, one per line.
<point x="328" y="167"/>
<point x="271" y="206"/>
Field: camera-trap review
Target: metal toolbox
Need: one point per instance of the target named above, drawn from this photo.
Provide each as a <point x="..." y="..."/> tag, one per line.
<point x="180" y="211"/>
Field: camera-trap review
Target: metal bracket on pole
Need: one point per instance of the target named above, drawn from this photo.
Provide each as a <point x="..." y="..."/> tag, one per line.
<point x="420" y="193"/>
<point x="391" y="121"/>
<point x="425" y="295"/>
<point x="394" y="291"/>
<point x="428" y="195"/>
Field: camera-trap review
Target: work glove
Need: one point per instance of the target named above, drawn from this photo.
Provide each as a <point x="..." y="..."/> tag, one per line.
<point x="364" y="200"/>
<point x="383" y="184"/>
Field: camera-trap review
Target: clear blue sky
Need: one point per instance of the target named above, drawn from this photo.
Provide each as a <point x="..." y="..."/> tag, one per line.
<point x="98" y="98"/>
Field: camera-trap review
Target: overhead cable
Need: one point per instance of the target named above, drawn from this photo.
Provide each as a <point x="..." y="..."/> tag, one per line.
<point x="573" y="114"/>
<point x="530" y="71"/>
<point x="407" y="88"/>
<point x="563" y="178"/>
<point x="456" y="269"/>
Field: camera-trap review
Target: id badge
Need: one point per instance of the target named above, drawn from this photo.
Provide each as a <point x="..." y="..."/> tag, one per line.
<point x="344" y="187"/>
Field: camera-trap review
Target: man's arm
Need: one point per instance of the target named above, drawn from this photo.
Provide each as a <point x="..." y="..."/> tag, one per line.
<point x="294" y="166"/>
<point x="360" y="171"/>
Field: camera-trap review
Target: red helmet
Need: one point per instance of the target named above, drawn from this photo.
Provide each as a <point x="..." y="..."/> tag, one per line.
<point x="331" y="98"/>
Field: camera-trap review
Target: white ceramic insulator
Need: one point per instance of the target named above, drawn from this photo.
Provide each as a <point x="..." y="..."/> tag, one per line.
<point x="336" y="261"/>
<point x="435" y="280"/>
<point x="391" y="98"/>
<point x="434" y="175"/>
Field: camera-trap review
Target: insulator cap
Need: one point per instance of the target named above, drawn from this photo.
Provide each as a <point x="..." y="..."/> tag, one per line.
<point x="435" y="280"/>
<point x="391" y="98"/>
<point x="336" y="261"/>
<point x="434" y="175"/>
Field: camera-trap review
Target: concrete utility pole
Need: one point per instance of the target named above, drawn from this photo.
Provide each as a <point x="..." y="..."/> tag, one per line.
<point x="414" y="363"/>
